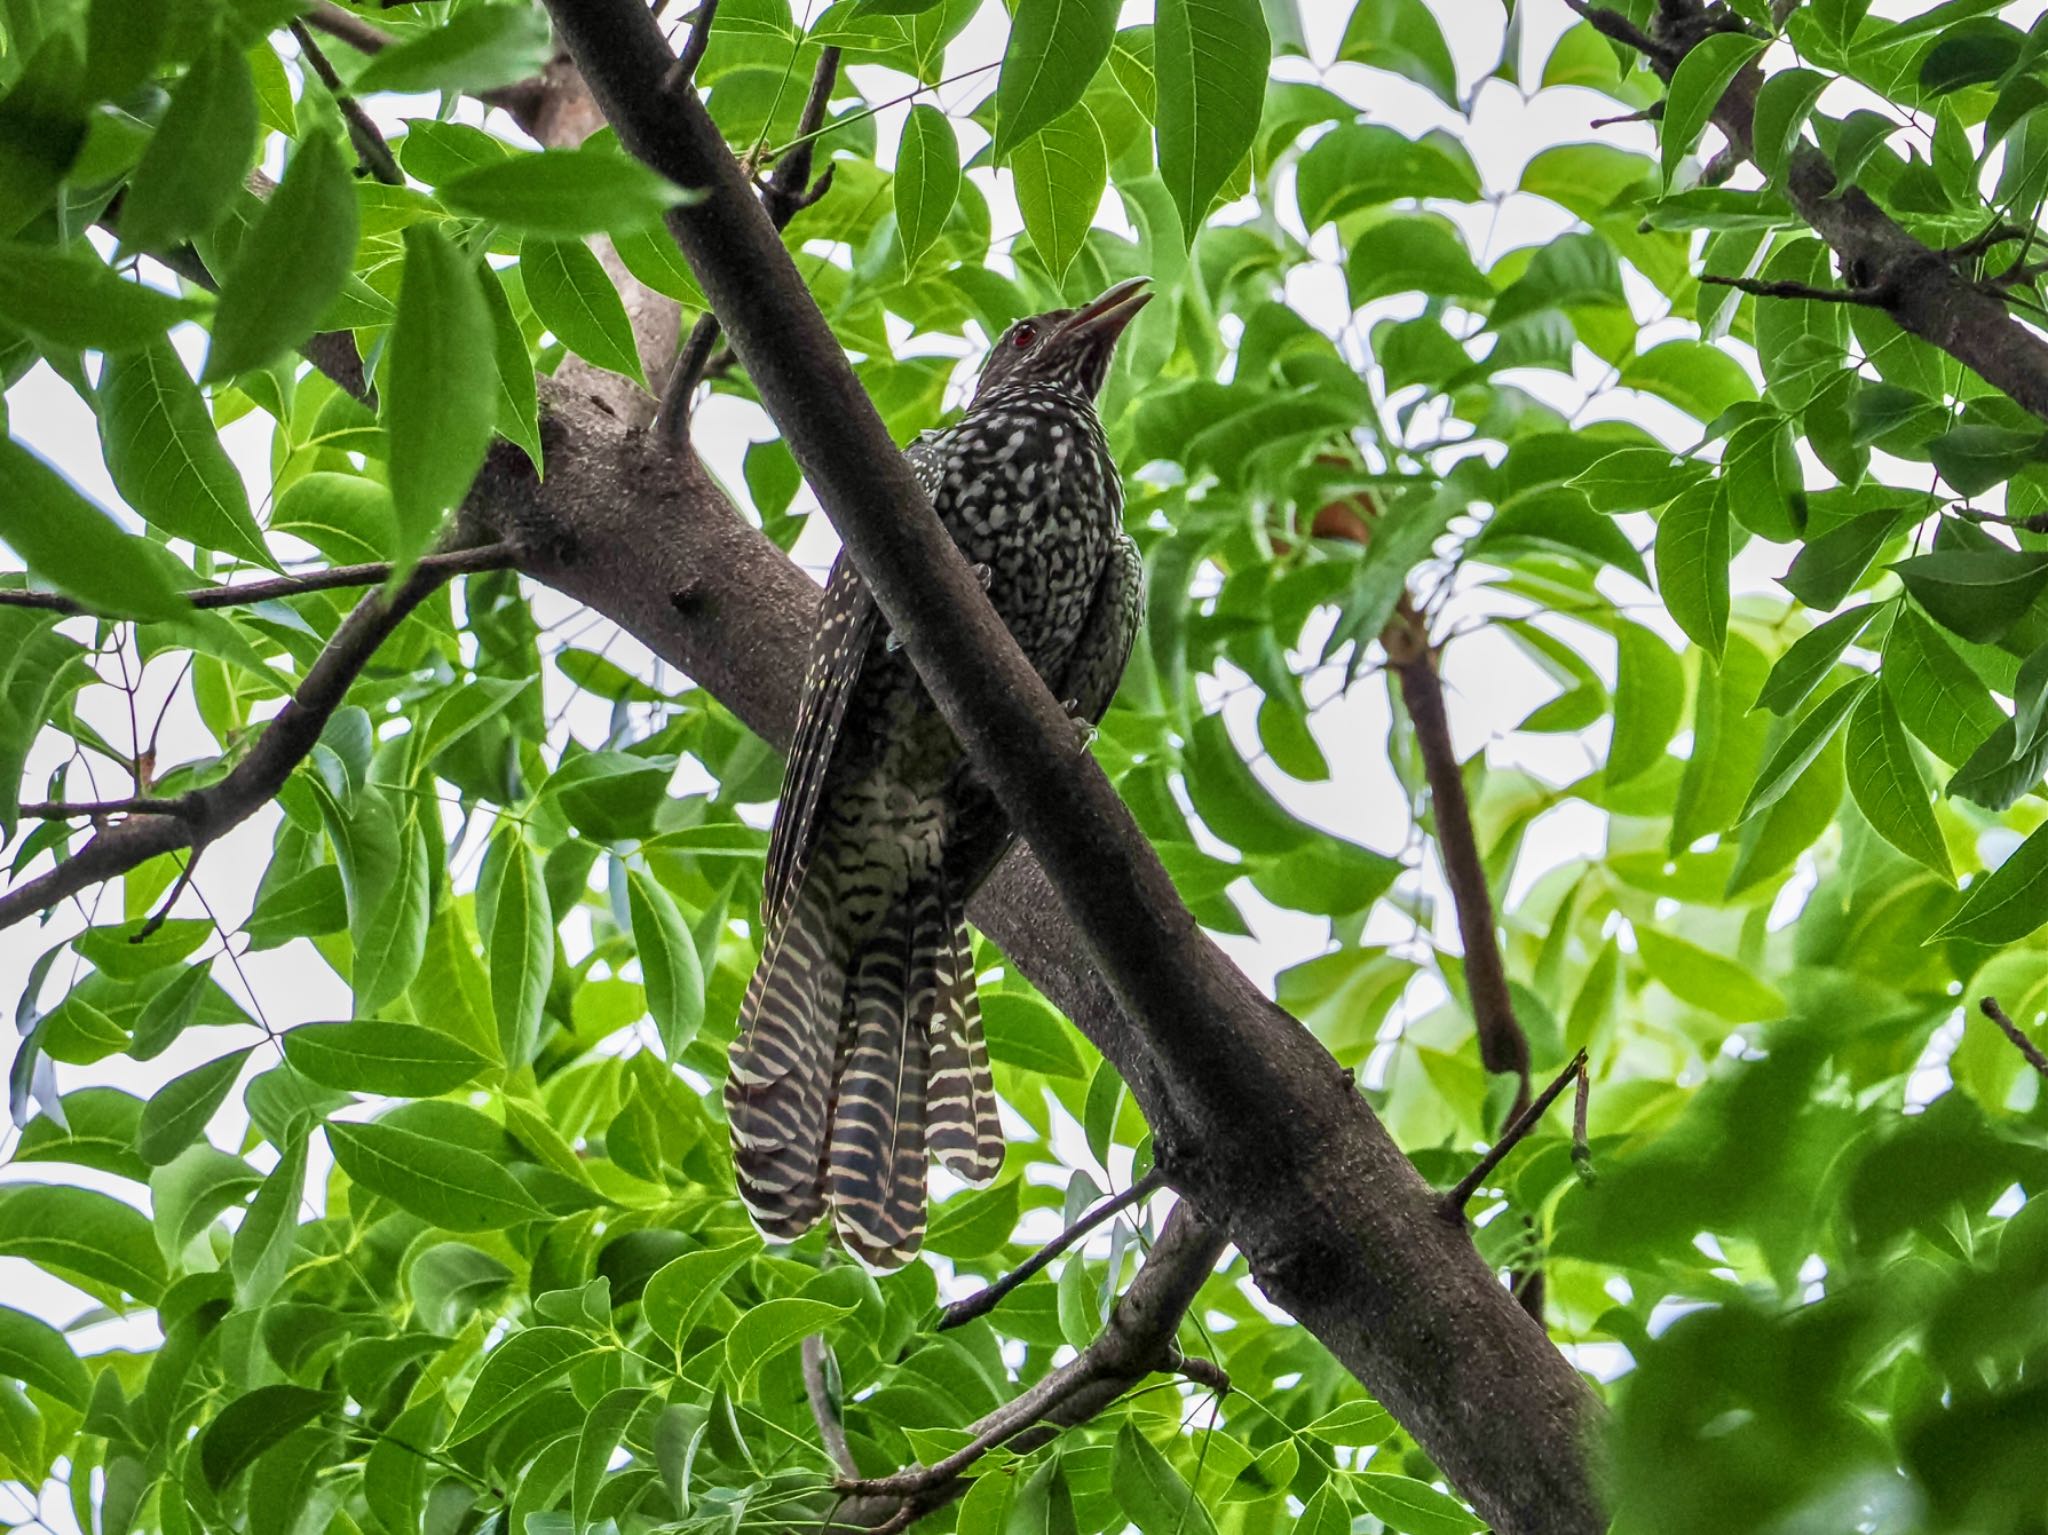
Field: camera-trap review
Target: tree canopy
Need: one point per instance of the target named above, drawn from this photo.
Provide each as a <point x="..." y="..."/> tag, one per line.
<point x="1642" y="404"/>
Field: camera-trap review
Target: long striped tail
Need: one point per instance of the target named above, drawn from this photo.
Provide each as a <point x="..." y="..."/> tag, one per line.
<point x="852" y="1068"/>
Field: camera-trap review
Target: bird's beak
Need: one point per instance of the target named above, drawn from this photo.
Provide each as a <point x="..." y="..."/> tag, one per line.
<point x="1105" y="318"/>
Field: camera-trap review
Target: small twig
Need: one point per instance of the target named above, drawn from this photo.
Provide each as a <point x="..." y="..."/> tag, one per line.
<point x="162" y="914"/>
<point x="2033" y="522"/>
<point x="685" y="69"/>
<point x="186" y="806"/>
<point x="454" y="562"/>
<point x="362" y="129"/>
<point x="1998" y="232"/>
<point x="984" y="1301"/>
<point x="1582" y="1150"/>
<point x="1876" y="297"/>
<point x="1452" y="1205"/>
<point x="348" y="27"/>
<point x="2026" y="1047"/>
<point x="1203" y="1372"/>
<point x="1654" y="112"/>
<point x="818" y="1389"/>
<point x="1617" y="26"/>
<point x="787" y="191"/>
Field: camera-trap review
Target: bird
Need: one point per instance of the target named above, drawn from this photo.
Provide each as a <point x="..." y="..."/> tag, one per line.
<point x="860" y="1055"/>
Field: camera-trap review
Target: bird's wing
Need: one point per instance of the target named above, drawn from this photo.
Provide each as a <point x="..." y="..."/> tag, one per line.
<point x="1104" y="647"/>
<point x="845" y="630"/>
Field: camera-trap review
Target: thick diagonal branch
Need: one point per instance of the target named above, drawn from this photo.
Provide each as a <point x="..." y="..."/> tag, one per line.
<point x="1252" y="1119"/>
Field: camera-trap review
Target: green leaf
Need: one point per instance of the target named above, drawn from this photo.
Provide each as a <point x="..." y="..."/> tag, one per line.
<point x="290" y="266"/>
<point x="1697" y="86"/>
<point x="481" y="47"/>
<point x="1976" y="593"/>
<point x="1414" y="254"/>
<point x="35" y="1353"/>
<point x="390" y="929"/>
<point x="1360" y="165"/>
<point x="2001" y="907"/>
<point x="1210" y="59"/>
<point x="669" y="965"/>
<point x="1360" y="1424"/>
<point x="1973" y="52"/>
<point x="249" y="1425"/>
<point x="565" y="193"/>
<point x="1974" y="458"/>
<point x="927" y="180"/>
<point x="451" y="1186"/>
<point x="1412" y="1507"/>
<point x="1810" y="658"/>
<point x="268" y="1234"/>
<point x="1802" y="744"/>
<point x="1060" y="173"/>
<point x="178" y="1113"/>
<point x="681" y="1289"/>
<point x="1782" y="107"/>
<point x="435" y="152"/>
<point x="1697" y="377"/>
<point x="1939" y="698"/>
<point x="194" y="165"/>
<point x="81" y="1232"/>
<point x="1649" y="696"/>
<point x="368" y="1055"/>
<point x="1829" y="567"/>
<point x="166" y="458"/>
<point x="600" y="1437"/>
<point x="611" y="795"/>
<point x="772" y="1326"/>
<point x="77" y="548"/>
<point x="1150" y="1493"/>
<point x="1024" y="1031"/>
<point x="518" y="1370"/>
<point x="1692" y="565"/>
<point x="975" y="1224"/>
<point x="1884" y="776"/>
<point x="519" y="940"/>
<point x="438" y="419"/>
<point x="1402" y="36"/>
<point x="79" y="302"/>
<point x="573" y="296"/>
<point x="1055" y="48"/>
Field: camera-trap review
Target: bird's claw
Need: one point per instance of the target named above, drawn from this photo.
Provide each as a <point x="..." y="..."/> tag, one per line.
<point x="1084" y="729"/>
<point x="984" y="574"/>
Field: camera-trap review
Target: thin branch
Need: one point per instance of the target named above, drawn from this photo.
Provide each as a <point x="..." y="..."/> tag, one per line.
<point x="817" y="1388"/>
<point x="155" y="924"/>
<point x="1503" y="1046"/>
<point x="1452" y="1205"/>
<point x="685" y="71"/>
<point x="986" y="1300"/>
<point x="186" y="806"/>
<point x="526" y="100"/>
<point x="1875" y="298"/>
<point x="788" y="191"/>
<point x="363" y="131"/>
<point x="2032" y="522"/>
<point x="2028" y="1050"/>
<point x="255" y="780"/>
<point x="1582" y="1151"/>
<point x="1617" y="26"/>
<point x="1137" y="1341"/>
<point x="452" y="562"/>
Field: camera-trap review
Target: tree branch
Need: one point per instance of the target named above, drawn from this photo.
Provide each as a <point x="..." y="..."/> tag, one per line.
<point x="2028" y="1050"/>
<point x="788" y="191"/>
<point x="831" y="1431"/>
<point x="254" y="781"/>
<point x="452" y="562"/>
<point x="527" y="102"/>
<point x="1137" y="1341"/>
<point x="1875" y="298"/>
<point x="985" y="1300"/>
<point x="362" y="129"/>
<point x="1252" y="1119"/>
<point x="1459" y="1195"/>
<point x="693" y="48"/>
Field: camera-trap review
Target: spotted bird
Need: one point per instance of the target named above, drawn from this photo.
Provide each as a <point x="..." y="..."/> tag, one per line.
<point x="860" y="1051"/>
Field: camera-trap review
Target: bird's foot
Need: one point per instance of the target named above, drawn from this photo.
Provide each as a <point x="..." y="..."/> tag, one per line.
<point x="984" y="574"/>
<point x="1084" y="729"/>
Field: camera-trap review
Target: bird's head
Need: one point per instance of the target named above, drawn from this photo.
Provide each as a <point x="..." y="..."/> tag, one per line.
<point x="1063" y="348"/>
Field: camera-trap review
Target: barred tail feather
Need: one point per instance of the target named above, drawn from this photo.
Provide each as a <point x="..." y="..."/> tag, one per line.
<point x="875" y="1173"/>
<point x="965" y="1131"/>
<point x="781" y="1067"/>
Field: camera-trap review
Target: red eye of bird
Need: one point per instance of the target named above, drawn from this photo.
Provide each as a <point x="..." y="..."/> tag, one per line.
<point x="1023" y="335"/>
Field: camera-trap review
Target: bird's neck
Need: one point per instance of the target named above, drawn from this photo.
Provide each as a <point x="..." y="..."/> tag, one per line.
<point x="1035" y="395"/>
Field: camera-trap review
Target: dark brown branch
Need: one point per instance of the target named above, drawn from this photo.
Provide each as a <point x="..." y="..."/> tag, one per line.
<point x="685" y="71"/>
<point x="788" y="191"/>
<point x="185" y="805"/>
<point x="363" y="131"/>
<point x="983" y="1301"/>
<point x="1138" y="1341"/>
<point x="817" y="1389"/>
<point x="1460" y="1194"/>
<point x="254" y="781"/>
<point x="452" y="562"/>
<point x="1875" y="298"/>
<point x="1252" y="1119"/>
<point x="1582" y="1151"/>
<point x="162" y="914"/>
<point x="1617" y="26"/>
<point x="2028" y="1050"/>
<point x="1503" y="1046"/>
<point x="526" y="102"/>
